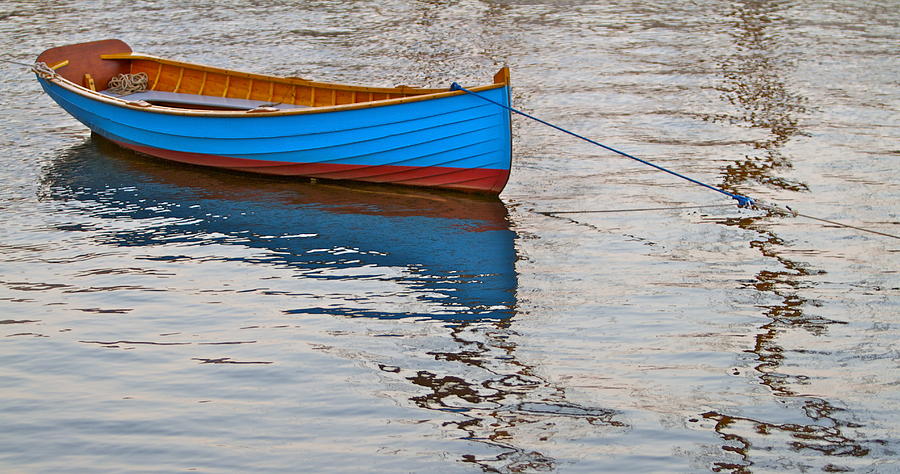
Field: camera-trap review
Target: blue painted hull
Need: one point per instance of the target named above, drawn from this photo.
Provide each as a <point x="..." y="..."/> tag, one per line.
<point x="453" y="141"/>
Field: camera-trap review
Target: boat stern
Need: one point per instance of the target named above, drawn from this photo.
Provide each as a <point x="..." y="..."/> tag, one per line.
<point x="82" y="63"/>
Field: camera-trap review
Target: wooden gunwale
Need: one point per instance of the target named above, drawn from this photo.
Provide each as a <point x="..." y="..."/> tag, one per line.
<point x="407" y="94"/>
<point x="263" y="77"/>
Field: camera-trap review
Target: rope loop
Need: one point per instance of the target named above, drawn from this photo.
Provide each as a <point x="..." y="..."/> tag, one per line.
<point x="43" y="70"/>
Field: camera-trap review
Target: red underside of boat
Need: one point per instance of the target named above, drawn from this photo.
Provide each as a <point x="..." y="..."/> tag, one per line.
<point x="464" y="179"/>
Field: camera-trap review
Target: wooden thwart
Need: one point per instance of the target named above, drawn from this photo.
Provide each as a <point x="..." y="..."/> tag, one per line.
<point x="178" y="98"/>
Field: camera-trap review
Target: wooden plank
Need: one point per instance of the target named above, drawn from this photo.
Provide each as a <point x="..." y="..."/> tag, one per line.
<point x="215" y="84"/>
<point x="238" y="87"/>
<point x="192" y="81"/>
<point x="281" y="93"/>
<point x="344" y="97"/>
<point x="178" y="99"/>
<point x="168" y="78"/>
<point x="260" y="90"/>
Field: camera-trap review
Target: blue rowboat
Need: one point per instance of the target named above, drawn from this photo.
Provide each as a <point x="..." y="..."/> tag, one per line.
<point x="284" y="126"/>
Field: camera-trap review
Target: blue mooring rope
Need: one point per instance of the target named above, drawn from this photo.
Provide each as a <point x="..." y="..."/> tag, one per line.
<point x="743" y="201"/>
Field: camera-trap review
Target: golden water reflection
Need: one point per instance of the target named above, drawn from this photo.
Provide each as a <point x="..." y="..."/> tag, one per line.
<point x="762" y="99"/>
<point x="752" y="83"/>
<point x="500" y="400"/>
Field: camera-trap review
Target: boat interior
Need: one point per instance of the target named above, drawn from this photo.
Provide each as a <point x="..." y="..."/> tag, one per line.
<point x="183" y="85"/>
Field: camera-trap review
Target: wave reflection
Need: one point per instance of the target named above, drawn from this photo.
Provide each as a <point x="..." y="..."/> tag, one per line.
<point x="753" y="84"/>
<point x="444" y="256"/>
<point x="440" y="257"/>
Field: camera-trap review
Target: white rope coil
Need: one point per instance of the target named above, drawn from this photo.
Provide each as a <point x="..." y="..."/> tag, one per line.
<point x="124" y="84"/>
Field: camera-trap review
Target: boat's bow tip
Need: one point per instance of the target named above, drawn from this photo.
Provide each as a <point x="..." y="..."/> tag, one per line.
<point x="502" y="76"/>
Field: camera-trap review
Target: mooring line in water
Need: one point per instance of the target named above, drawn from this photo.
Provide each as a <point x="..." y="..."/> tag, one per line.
<point x="743" y="201"/>
<point x="29" y="66"/>
<point x="848" y="226"/>
<point x="788" y="211"/>
<point x="780" y="210"/>
<point x="642" y="209"/>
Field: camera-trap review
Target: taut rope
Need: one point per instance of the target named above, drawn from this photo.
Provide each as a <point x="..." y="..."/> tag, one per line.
<point x="743" y="201"/>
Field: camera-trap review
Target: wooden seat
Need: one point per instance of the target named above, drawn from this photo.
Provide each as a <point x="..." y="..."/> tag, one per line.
<point x="204" y="101"/>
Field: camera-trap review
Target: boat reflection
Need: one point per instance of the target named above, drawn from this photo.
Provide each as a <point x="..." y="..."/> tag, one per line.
<point x="453" y="253"/>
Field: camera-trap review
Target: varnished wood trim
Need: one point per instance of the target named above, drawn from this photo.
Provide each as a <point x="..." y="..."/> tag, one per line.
<point x="156" y="80"/>
<point x="89" y="82"/>
<point x="202" y="83"/>
<point x="180" y="77"/>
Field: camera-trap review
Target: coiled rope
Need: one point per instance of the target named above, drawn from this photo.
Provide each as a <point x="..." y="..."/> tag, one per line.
<point x="743" y="201"/>
<point x="124" y="84"/>
<point x="120" y="84"/>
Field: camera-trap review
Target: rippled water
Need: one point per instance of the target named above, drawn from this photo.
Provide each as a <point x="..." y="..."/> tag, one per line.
<point x="163" y="318"/>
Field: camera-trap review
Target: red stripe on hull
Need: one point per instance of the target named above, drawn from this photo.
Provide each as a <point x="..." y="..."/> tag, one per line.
<point x="480" y="180"/>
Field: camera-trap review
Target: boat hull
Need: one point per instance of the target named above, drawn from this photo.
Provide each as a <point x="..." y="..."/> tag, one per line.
<point x="455" y="141"/>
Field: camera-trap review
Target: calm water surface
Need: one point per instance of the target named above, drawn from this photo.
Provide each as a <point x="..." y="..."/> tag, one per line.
<point x="165" y="318"/>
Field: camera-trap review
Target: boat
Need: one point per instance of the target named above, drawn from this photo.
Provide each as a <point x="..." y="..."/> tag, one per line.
<point x="202" y="115"/>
